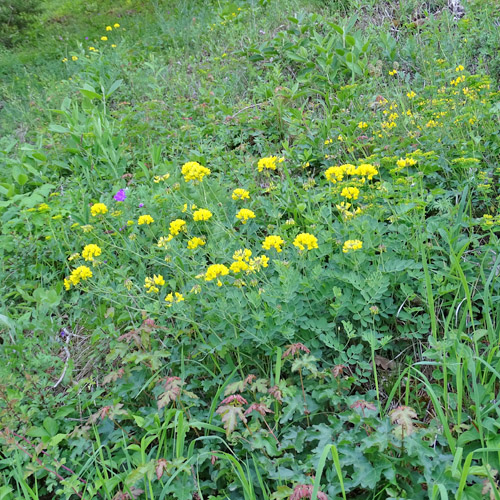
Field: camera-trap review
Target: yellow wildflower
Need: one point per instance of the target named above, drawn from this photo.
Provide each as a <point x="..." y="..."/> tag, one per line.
<point x="244" y="215"/>
<point x="268" y="163"/>
<point x="109" y="28"/>
<point x="116" y="25"/>
<point x="214" y="271"/>
<point x="145" y="219"/>
<point x="304" y="240"/>
<point x="351" y="245"/>
<point x="406" y="162"/>
<point x="335" y="174"/>
<point x="104" y="38"/>
<point x="170" y="298"/>
<point x="202" y="214"/>
<point x="73" y="256"/>
<point x="177" y="226"/>
<point x="239" y="266"/>
<point x="193" y="171"/>
<point x="242" y="255"/>
<point x="273" y="242"/>
<point x="240" y="194"/>
<point x="77" y="275"/>
<point x="195" y="243"/>
<point x="152" y="284"/>
<point x="351" y="193"/>
<point x="362" y="125"/>
<point x="74" y="58"/>
<point x="91" y="251"/>
<point x="98" y="208"/>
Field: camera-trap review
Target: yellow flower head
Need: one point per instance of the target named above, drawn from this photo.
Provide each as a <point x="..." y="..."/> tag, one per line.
<point x="160" y="178"/>
<point x="195" y="243"/>
<point x="91" y="251"/>
<point x="74" y="58"/>
<point x="352" y="245"/>
<point x="335" y="174"/>
<point x="244" y="215"/>
<point x="109" y="28"/>
<point x="411" y="94"/>
<point x="145" y="219"/>
<point x="216" y="270"/>
<point x="304" y="240"/>
<point x="152" y="284"/>
<point x="98" y="208"/>
<point x="193" y="171"/>
<point x="240" y="194"/>
<point x="81" y="273"/>
<point x="259" y="262"/>
<point x="176" y="226"/>
<point x="239" y="266"/>
<point x="243" y="255"/>
<point x="116" y="25"/>
<point x="351" y="193"/>
<point x="268" y="163"/>
<point x="362" y="125"/>
<point x="273" y="242"/>
<point x="170" y="299"/>
<point x="366" y="170"/>
<point x="202" y="214"/>
<point x="104" y="38"/>
<point x="406" y="162"/>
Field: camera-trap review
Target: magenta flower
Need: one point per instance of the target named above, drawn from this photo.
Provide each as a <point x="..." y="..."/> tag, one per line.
<point x="141" y="205"/>
<point x="120" y="196"/>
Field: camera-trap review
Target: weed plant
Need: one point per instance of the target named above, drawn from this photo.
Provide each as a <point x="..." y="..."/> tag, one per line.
<point x="250" y="250"/>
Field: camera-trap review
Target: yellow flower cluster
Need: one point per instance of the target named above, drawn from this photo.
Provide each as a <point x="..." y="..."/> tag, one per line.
<point x="406" y="162"/>
<point x="240" y="194"/>
<point x="352" y="245"/>
<point x="81" y="273"/>
<point x="337" y="173"/>
<point x="273" y="242"/>
<point x="195" y="243"/>
<point x="351" y="193"/>
<point x="241" y="259"/>
<point x="98" y="208"/>
<point x="169" y="299"/>
<point x="160" y="178"/>
<point x="411" y="94"/>
<point x="362" y="125"/>
<point x="344" y="207"/>
<point x="304" y="240"/>
<point x="269" y="163"/>
<point x="91" y="251"/>
<point x="244" y="215"/>
<point x="176" y="226"/>
<point x="202" y="214"/>
<point x="214" y="271"/>
<point x="145" y="219"/>
<point x="152" y="284"/>
<point x="193" y="171"/>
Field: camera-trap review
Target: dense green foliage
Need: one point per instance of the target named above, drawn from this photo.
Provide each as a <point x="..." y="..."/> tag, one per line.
<point x="250" y="250"/>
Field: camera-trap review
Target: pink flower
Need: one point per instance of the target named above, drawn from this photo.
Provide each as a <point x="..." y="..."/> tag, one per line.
<point x="302" y="491"/>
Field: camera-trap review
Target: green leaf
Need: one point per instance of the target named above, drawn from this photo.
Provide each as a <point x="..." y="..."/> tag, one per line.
<point x="51" y="426"/>
<point x="90" y="94"/>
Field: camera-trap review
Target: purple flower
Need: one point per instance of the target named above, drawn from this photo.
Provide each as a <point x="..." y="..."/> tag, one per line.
<point x="86" y="38"/>
<point x="141" y="205"/>
<point x="120" y="196"/>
